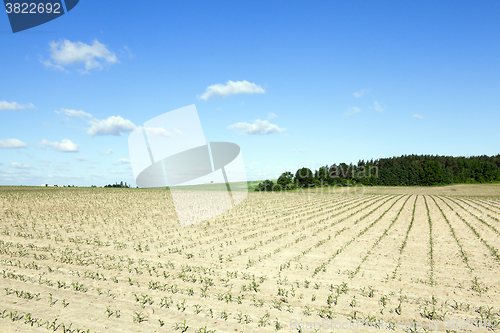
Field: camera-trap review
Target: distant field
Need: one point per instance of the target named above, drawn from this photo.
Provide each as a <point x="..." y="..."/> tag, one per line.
<point x="116" y="260"/>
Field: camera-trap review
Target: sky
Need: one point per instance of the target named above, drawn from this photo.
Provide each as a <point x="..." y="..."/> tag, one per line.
<point x="293" y="83"/>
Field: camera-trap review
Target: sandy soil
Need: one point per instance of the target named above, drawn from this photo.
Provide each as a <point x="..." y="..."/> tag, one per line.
<point x="488" y="190"/>
<point x="117" y="260"/>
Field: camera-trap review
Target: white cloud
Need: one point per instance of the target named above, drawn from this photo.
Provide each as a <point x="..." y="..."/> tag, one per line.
<point x="12" y="144"/>
<point x="77" y="114"/>
<point x="258" y="127"/>
<point x="65" y="146"/>
<point x="113" y="125"/>
<point x="377" y="106"/>
<point x="231" y="88"/>
<point x="271" y="115"/>
<point x="352" y="111"/>
<point x="122" y="161"/>
<point x="157" y="132"/>
<point x="4" y="105"/>
<point x="126" y="52"/>
<point x="81" y="159"/>
<point x="116" y="172"/>
<point x="109" y="152"/>
<point x="418" y="116"/>
<point x="64" y="176"/>
<point x="20" y="165"/>
<point x="66" y="53"/>
<point x="359" y="93"/>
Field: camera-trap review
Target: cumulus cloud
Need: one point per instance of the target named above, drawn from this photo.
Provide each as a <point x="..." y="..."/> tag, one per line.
<point x="231" y="88"/>
<point x="258" y="127"/>
<point x="12" y="144"/>
<point x="122" y="161"/>
<point x="65" y="146"/>
<point x="4" y="106"/>
<point x="359" y="93"/>
<point x="20" y="165"/>
<point x="64" y="53"/>
<point x="352" y="111"/>
<point x="113" y="125"/>
<point x="418" y="116"/>
<point x="377" y="106"/>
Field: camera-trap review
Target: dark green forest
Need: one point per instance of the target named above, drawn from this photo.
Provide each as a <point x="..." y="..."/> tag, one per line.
<point x="406" y="170"/>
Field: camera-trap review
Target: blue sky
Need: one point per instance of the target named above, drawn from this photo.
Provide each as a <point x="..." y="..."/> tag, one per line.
<point x="294" y="83"/>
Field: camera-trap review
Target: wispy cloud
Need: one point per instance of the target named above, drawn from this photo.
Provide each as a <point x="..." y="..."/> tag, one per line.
<point x="20" y="165"/>
<point x="418" y="116"/>
<point x="64" y="176"/>
<point x="4" y="106"/>
<point x="64" y="53"/>
<point x="77" y="114"/>
<point x="301" y="150"/>
<point x="152" y="132"/>
<point x="81" y="159"/>
<point x="377" y="106"/>
<point x="116" y="172"/>
<point x="271" y="115"/>
<point x="12" y="144"/>
<point x="231" y="88"/>
<point x="113" y="125"/>
<point x="359" y="93"/>
<point x="65" y="146"/>
<point x="257" y="127"/>
<point x="352" y="111"/>
<point x="126" y="52"/>
<point x="122" y="161"/>
<point x="109" y="152"/>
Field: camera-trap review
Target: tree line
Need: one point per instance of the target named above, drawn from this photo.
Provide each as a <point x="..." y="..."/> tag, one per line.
<point x="406" y="170"/>
<point x="121" y="185"/>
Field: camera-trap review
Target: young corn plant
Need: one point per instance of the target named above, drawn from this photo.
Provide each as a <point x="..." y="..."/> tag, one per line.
<point x="182" y="305"/>
<point x="180" y="326"/>
<point x="264" y="320"/>
<point x="277" y="325"/>
<point x="138" y="317"/>
<point x="223" y="315"/>
<point x="197" y="308"/>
